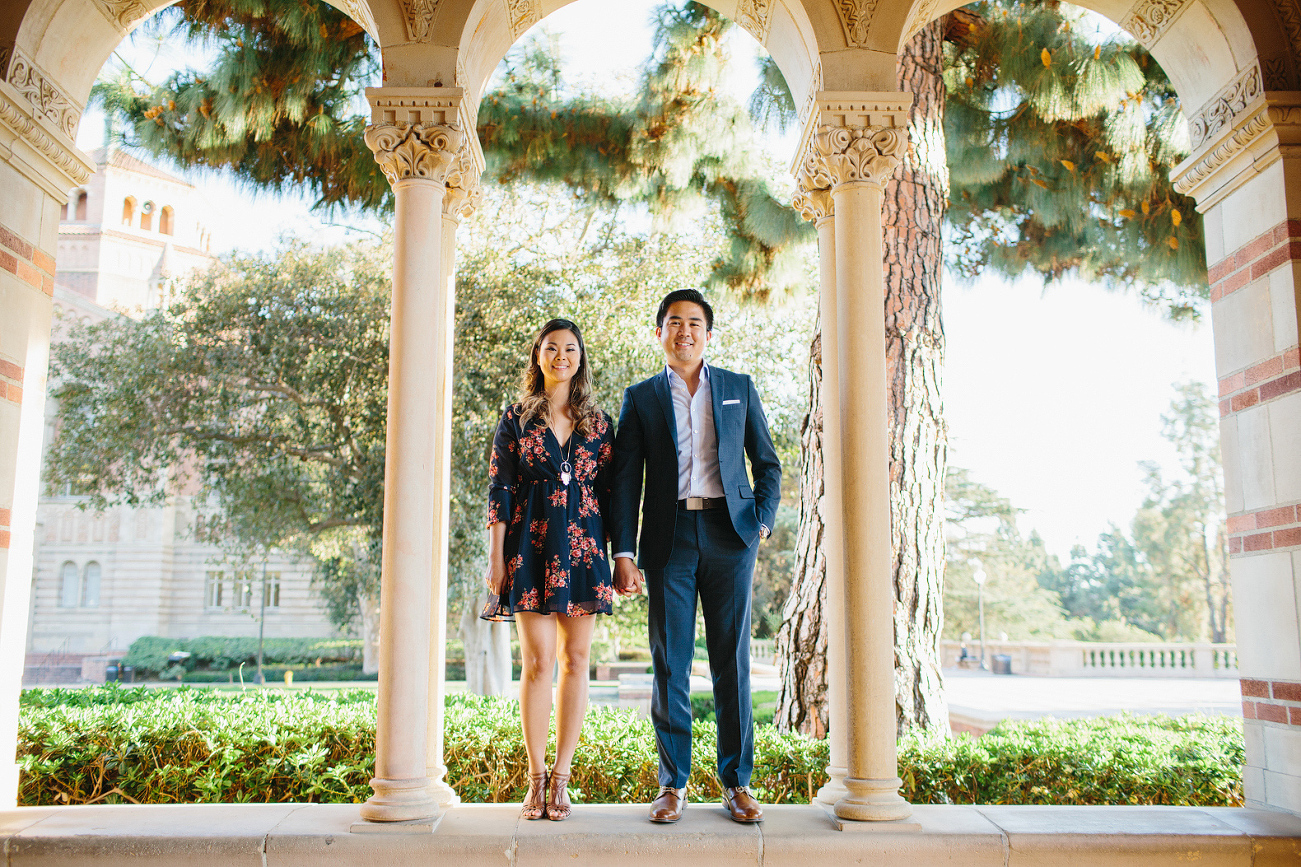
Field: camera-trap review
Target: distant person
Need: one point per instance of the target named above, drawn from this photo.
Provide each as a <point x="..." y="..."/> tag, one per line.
<point x="687" y="432"/>
<point x="549" y="485"/>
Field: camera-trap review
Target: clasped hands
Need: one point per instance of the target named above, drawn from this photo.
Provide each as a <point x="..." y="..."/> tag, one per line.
<point x="627" y="577"/>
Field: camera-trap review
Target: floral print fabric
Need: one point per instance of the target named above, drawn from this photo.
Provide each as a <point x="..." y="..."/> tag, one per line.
<point x="555" y="536"/>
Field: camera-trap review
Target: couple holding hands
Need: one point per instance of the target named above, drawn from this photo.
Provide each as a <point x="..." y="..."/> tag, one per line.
<point x="564" y="483"/>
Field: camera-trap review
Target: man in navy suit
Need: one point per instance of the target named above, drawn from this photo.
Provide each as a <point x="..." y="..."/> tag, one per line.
<point x="687" y="431"/>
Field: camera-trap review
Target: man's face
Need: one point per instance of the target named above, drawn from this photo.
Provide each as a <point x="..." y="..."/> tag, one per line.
<point x="683" y="334"/>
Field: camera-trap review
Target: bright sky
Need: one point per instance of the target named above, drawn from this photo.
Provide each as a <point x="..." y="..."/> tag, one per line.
<point x="1051" y="398"/>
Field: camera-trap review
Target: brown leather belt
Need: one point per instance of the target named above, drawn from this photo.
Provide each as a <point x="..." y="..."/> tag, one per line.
<point x="696" y="504"/>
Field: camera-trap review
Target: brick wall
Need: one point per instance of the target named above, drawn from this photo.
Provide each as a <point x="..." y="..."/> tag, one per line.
<point x="1277" y="701"/>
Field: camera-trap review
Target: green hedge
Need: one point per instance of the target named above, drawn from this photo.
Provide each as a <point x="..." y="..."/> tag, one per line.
<point x="114" y="745"/>
<point x="220" y="653"/>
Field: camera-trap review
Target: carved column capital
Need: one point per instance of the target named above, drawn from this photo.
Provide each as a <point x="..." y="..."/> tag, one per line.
<point x="464" y="190"/>
<point x="814" y="205"/>
<point x="839" y="155"/>
<point x="408" y="151"/>
<point x="1244" y="143"/>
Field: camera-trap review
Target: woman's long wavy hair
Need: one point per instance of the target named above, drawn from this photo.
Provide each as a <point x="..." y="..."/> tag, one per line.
<point x="533" y="396"/>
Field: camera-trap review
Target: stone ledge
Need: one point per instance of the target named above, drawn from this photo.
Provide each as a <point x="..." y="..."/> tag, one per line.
<point x="306" y="835"/>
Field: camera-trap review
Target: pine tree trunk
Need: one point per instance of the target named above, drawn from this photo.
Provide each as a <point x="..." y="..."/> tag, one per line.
<point x="914" y="210"/>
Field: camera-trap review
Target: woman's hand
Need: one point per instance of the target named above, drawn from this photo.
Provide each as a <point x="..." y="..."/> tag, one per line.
<point x="496" y="575"/>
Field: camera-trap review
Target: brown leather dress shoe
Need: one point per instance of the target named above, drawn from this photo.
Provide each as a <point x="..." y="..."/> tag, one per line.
<point x="668" y="804"/>
<point x="742" y="805"/>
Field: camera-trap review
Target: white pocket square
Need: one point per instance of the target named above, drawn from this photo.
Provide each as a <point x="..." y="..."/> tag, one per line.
<point x="730" y="402"/>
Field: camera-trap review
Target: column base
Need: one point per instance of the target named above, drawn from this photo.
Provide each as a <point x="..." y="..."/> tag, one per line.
<point x="400" y="801"/>
<point x="835" y="789"/>
<point x="443" y="794"/>
<point x="873" y="801"/>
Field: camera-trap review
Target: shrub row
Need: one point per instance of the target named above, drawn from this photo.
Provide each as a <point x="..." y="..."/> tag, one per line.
<point x="150" y="653"/>
<point x="197" y="745"/>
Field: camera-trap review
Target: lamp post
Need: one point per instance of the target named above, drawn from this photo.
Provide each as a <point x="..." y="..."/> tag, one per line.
<point x="979" y="577"/>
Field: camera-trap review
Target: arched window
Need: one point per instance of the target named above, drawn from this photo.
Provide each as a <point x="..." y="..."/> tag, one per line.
<point x="69" y="587"/>
<point x="90" y="586"/>
<point x="128" y="210"/>
<point x="147" y="216"/>
<point x="165" y="221"/>
<point x="82" y="199"/>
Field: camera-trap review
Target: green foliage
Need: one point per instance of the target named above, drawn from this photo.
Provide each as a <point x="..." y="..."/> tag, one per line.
<point x="1060" y="149"/>
<point x="187" y="745"/>
<point x="149" y="653"/>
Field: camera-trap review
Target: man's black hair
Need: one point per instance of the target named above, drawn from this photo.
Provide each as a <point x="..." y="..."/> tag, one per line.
<point x="692" y="295"/>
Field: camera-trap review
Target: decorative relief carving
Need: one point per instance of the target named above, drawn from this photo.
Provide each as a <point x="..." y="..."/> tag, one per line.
<point x="1247" y="131"/>
<point x="921" y="16"/>
<point x="6" y="54"/>
<point x="1289" y="14"/>
<point x="415" y="150"/>
<point x="755" y="16"/>
<point x="1277" y="73"/>
<point x="814" y="205"/>
<point x="523" y="14"/>
<point x="464" y="190"/>
<point x="39" y="90"/>
<point x="1220" y="110"/>
<point x="123" y="13"/>
<point x="851" y="154"/>
<point x="60" y="157"/>
<point x="1148" y="19"/>
<point x="856" y="18"/>
<point x="419" y="15"/>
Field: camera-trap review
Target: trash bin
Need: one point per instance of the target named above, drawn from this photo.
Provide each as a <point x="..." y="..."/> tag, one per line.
<point x="110" y="672"/>
<point x="127" y="674"/>
<point x="1001" y="663"/>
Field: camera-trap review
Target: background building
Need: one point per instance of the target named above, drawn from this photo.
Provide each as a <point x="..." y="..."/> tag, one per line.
<point x="100" y="581"/>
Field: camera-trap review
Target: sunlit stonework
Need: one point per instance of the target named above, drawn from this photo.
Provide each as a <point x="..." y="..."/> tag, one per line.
<point x="425" y="151"/>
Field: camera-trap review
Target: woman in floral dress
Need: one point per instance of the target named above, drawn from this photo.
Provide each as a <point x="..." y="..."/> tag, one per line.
<point x="548" y="491"/>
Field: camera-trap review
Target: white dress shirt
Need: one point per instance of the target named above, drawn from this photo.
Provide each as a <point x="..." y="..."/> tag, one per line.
<point x="698" y="474"/>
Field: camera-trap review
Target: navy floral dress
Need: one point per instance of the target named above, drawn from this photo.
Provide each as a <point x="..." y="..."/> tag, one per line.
<point x="555" y="534"/>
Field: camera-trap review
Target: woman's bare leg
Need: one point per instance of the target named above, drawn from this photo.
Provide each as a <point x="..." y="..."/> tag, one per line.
<point x="537" y="639"/>
<point x="574" y="649"/>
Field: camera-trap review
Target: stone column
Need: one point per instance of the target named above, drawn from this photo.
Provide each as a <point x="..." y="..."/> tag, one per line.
<point x="1245" y="174"/>
<point x="459" y="201"/>
<point x="416" y="136"/>
<point x="817" y="205"/>
<point x="853" y="144"/>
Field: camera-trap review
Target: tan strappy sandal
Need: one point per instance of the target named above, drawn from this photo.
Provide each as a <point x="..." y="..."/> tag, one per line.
<point x="535" y="802"/>
<point x="558" y="804"/>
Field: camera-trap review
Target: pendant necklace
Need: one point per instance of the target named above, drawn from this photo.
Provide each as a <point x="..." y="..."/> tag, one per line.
<point x="566" y="471"/>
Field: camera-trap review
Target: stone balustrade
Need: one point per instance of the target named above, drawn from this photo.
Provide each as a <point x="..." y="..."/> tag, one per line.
<point x="1104" y="659"/>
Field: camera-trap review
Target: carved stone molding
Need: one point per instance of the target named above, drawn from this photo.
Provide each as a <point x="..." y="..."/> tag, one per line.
<point x="839" y="155"/>
<point x="419" y="17"/>
<point x="814" y="205"/>
<point x="122" y="13"/>
<point x="43" y="129"/>
<point x="920" y="17"/>
<point x="39" y="89"/>
<point x="1220" y="110"/>
<point x="1277" y="73"/>
<point x="1237" y="153"/>
<point x="856" y="18"/>
<point x="1148" y="19"/>
<point x="755" y="16"/>
<point x="523" y="15"/>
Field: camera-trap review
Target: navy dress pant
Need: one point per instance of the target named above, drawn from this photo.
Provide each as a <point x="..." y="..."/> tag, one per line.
<point x="709" y="561"/>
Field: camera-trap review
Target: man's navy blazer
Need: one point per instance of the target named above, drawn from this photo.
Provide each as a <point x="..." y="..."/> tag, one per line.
<point x="646" y="446"/>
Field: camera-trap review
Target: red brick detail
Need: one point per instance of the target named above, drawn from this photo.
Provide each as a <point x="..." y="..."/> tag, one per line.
<point x="1264" y="370"/>
<point x="1230" y="384"/>
<point x="30" y="274"/>
<point x="1287" y="229"/>
<point x="9" y="262"/>
<point x="1231" y="284"/>
<point x="1281" y="386"/>
<point x="4" y="539"/>
<point x="1269" y="518"/>
<point x="43" y="261"/>
<point x="1248" y="710"/>
<point x="15" y="394"/>
<point x="1287" y="538"/>
<point x="15" y="243"/>
<point x="1244" y="400"/>
<point x="1242" y="523"/>
<point x="1271" y="712"/>
<point x="1254" y="688"/>
<point x="6" y="517"/>
<point x="1292" y="358"/>
<point x="1259" y="542"/>
<point x="1220" y="270"/>
<point x="1294" y="716"/>
<point x="11" y="370"/>
<point x="1285" y="691"/>
<point x="1235" y="545"/>
<point x="1226" y="407"/>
